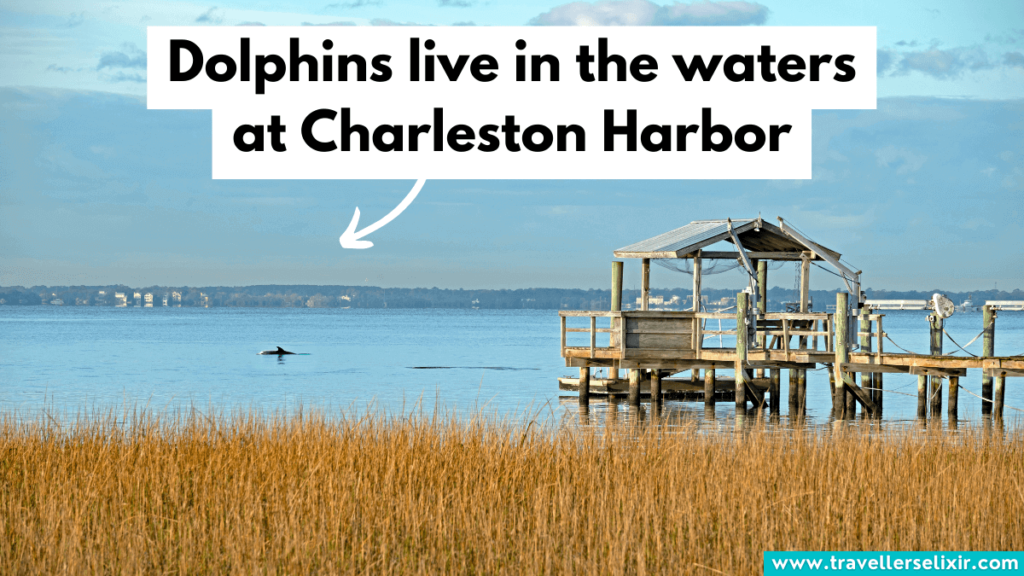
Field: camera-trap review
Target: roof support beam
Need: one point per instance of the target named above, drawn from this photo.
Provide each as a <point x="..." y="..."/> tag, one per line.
<point x="847" y="274"/>
<point x="752" y="280"/>
<point x="791" y="256"/>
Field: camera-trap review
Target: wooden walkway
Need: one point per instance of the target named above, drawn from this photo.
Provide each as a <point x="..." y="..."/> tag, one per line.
<point x="653" y="345"/>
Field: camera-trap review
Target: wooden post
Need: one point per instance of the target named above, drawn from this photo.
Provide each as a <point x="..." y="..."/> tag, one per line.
<point x="709" y="387"/>
<point x="876" y="383"/>
<point x="793" y="378"/>
<point x="613" y="371"/>
<point x="936" y="350"/>
<point x="655" y="387"/>
<point x="775" y="386"/>
<point x="997" y="400"/>
<point x="988" y="342"/>
<point x="645" y="283"/>
<point x="695" y="376"/>
<point x="842" y="319"/>
<point x="922" y="397"/>
<point x="696" y="282"/>
<point x="851" y="402"/>
<point x="954" y="392"/>
<point x="762" y="305"/>
<point x="634" y="387"/>
<point x="805" y="307"/>
<point x="865" y="346"/>
<point x="801" y="392"/>
<point x="837" y="410"/>
<point x="616" y="286"/>
<point x="742" y="316"/>
<point x="762" y="290"/>
<point x="584" y="386"/>
<point x="805" y="282"/>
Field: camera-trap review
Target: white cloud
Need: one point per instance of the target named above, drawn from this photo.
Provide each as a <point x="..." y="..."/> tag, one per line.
<point x="906" y="160"/>
<point x="944" y="64"/>
<point x="646" y="13"/>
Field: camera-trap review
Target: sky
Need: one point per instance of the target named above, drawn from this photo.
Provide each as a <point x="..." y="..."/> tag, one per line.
<point x="925" y="192"/>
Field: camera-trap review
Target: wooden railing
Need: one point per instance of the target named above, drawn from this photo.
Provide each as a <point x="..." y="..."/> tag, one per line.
<point x="664" y="331"/>
<point x="593" y="330"/>
<point x="783" y="327"/>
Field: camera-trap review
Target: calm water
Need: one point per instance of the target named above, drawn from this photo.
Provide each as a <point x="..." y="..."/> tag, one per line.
<point x="505" y="362"/>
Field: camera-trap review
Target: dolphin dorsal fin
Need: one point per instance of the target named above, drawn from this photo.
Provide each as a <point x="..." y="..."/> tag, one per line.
<point x="279" y="349"/>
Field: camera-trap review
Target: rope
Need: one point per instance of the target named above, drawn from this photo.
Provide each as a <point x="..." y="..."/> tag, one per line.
<point x="936" y="392"/>
<point x="891" y="391"/>
<point x="898" y="346"/>
<point x="959" y="346"/>
<point x="827" y="270"/>
<point x="985" y="399"/>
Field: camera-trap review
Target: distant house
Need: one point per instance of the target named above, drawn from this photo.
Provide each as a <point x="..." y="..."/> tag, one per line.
<point x="121" y="299"/>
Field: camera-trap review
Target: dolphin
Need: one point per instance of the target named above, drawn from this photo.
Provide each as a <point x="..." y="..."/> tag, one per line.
<point x="279" y="352"/>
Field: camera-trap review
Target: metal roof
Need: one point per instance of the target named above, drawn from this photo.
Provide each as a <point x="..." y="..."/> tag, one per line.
<point x="756" y="235"/>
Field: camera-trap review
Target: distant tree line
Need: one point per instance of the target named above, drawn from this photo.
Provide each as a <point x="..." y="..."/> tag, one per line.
<point x="311" y="296"/>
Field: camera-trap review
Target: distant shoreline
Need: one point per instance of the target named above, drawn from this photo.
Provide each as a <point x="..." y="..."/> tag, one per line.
<point x="314" y="296"/>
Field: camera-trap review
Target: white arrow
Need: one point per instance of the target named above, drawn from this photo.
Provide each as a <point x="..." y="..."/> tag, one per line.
<point x="351" y="239"/>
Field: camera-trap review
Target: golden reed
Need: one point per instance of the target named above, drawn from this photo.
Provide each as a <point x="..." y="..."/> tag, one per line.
<point x="377" y="495"/>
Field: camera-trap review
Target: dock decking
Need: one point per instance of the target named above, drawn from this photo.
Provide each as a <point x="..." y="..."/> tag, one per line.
<point x="653" y="345"/>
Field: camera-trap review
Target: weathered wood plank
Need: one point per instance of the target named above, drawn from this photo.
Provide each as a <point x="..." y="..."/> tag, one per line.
<point x="642" y="354"/>
<point x="659" y="325"/>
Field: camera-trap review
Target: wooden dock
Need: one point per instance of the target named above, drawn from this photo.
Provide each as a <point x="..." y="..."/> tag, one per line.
<point x="642" y="349"/>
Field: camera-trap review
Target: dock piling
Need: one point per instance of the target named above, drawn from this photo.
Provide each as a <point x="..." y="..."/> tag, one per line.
<point x="997" y="400"/>
<point x="774" y="388"/>
<point x="805" y="307"/>
<point x="865" y="346"/>
<point x="935" y="323"/>
<point x="876" y="383"/>
<point x="645" y="283"/>
<point x="709" y="388"/>
<point x="954" y="393"/>
<point x="634" y="387"/>
<point x="584" y="389"/>
<point x="792" y="388"/>
<point x="801" y="391"/>
<point x="842" y="318"/>
<point x="742" y="317"/>
<point x="762" y="305"/>
<point x="655" y="387"/>
<point x="922" y="397"/>
<point x="616" y="306"/>
<point x="988" y="325"/>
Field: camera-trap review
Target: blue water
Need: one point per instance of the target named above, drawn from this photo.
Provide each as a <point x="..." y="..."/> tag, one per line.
<point x="504" y="362"/>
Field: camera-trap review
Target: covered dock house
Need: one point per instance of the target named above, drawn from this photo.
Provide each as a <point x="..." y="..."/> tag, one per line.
<point x="642" y="349"/>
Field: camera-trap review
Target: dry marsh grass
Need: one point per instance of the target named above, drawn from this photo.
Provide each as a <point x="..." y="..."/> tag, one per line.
<point x="304" y="495"/>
